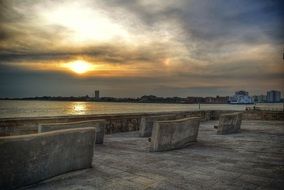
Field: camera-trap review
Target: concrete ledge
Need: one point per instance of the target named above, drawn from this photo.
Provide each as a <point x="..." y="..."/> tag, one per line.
<point x="229" y="123"/>
<point x="28" y="159"/>
<point x="121" y="122"/>
<point x="174" y="134"/>
<point x="18" y="130"/>
<point x="147" y="123"/>
<point x="98" y="124"/>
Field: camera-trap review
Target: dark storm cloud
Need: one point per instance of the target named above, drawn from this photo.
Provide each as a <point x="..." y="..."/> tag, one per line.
<point x="213" y="20"/>
<point x="108" y="53"/>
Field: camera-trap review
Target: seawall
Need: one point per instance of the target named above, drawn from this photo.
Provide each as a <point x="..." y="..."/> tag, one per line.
<point x="121" y="122"/>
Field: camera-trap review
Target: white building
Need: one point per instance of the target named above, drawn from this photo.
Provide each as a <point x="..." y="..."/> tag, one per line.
<point x="241" y="97"/>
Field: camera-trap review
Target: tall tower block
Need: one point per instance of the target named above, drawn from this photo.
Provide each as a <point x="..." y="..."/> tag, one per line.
<point x="97" y="94"/>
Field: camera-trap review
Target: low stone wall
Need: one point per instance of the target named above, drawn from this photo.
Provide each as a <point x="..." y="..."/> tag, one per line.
<point x="263" y="115"/>
<point x="147" y="123"/>
<point x="121" y="122"/>
<point x="174" y="134"/>
<point x="21" y="126"/>
<point x="27" y="159"/>
<point x="229" y="123"/>
<point x="114" y="123"/>
<point x="99" y="125"/>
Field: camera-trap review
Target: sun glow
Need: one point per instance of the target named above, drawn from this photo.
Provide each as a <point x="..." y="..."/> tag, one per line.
<point x="80" y="66"/>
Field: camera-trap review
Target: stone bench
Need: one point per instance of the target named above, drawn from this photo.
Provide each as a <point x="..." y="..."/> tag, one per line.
<point x="229" y="123"/>
<point x="98" y="124"/>
<point x="174" y="134"/>
<point x="28" y="159"/>
<point x="147" y="123"/>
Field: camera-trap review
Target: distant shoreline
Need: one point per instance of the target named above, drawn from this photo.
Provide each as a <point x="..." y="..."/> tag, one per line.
<point x="54" y="100"/>
<point x="121" y="101"/>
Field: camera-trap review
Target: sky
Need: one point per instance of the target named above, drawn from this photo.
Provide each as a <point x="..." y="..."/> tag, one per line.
<point x="130" y="48"/>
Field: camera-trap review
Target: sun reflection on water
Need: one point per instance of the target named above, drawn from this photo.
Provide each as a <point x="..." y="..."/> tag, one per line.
<point x="79" y="107"/>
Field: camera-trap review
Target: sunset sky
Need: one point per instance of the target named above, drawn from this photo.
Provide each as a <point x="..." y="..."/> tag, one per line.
<point x="129" y="48"/>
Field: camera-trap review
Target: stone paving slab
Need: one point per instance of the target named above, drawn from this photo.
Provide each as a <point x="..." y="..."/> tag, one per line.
<point x="252" y="159"/>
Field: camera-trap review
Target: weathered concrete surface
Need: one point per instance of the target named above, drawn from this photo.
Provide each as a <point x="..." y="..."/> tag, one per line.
<point x="28" y="159"/>
<point x="263" y="115"/>
<point x="115" y="122"/>
<point x="252" y="159"/>
<point x="98" y="124"/>
<point x="147" y="123"/>
<point x="229" y="123"/>
<point x="174" y="134"/>
<point x="121" y="122"/>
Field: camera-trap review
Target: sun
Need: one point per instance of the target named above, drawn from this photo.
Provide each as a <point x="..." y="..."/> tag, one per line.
<point x="80" y="66"/>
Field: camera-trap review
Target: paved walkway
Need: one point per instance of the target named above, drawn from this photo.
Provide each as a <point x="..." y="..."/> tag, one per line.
<point x="252" y="159"/>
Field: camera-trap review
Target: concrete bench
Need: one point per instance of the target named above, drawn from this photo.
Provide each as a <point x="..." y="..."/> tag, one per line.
<point x="98" y="124"/>
<point x="147" y="123"/>
<point x="174" y="134"/>
<point x="229" y="123"/>
<point x="28" y="159"/>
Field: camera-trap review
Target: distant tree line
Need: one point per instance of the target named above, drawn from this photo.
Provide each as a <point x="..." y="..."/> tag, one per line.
<point x="143" y="99"/>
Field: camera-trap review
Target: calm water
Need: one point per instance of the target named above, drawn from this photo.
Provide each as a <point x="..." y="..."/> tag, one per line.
<point x="13" y="108"/>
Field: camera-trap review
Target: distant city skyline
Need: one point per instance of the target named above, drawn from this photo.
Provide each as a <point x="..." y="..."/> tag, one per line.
<point x="131" y="48"/>
<point x="264" y="97"/>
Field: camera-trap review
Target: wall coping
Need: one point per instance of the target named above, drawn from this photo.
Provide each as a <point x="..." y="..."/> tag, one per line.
<point x="179" y="120"/>
<point x="107" y="115"/>
<point x="49" y="133"/>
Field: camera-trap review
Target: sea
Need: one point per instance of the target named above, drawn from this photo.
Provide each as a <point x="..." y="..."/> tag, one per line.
<point x="16" y="108"/>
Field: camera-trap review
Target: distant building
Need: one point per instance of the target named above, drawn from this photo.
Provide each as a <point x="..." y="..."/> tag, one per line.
<point x="242" y="92"/>
<point x="241" y="97"/>
<point x="216" y="100"/>
<point x="148" y="98"/>
<point x="194" y="100"/>
<point x="209" y="100"/>
<point x="259" y="98"/>
<point x="221" y="100"/>
<point x="273" y="96"/>
<point x="97" y="94"/>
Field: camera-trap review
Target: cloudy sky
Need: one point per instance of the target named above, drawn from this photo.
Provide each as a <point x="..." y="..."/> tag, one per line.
<point x="128" y="48"/>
